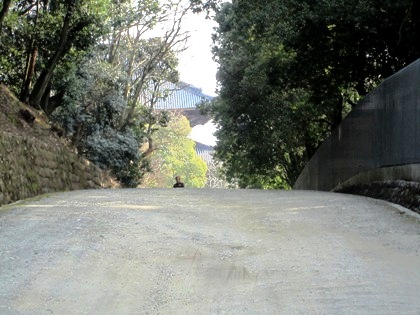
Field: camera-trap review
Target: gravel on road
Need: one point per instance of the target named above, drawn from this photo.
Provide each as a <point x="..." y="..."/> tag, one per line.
<point x="198" y="251"/>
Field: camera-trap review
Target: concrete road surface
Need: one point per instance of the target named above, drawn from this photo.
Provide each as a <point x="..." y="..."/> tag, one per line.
<point x="185" y="251"/>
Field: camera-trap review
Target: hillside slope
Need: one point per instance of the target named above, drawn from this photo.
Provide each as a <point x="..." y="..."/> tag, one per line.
<point x="34" y="159"/>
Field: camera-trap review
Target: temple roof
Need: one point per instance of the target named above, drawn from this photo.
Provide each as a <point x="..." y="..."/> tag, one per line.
<point x="182" y="96"/>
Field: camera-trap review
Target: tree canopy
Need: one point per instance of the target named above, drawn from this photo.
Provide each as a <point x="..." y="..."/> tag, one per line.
<point x="175" y="155"/>
<point x="289" y="71"/>
<point x="95" y="67"/>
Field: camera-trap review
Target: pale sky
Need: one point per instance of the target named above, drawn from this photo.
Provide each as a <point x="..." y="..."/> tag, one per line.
<point x="204" y="133"/>
<point x="197" y="68"/>
<point x="196" y="65"/>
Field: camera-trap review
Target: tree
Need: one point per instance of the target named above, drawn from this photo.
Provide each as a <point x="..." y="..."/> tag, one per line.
<point x="145" y="59"/>
<point x="175" y="155"/>
<point x="108" y="99"/>
<point x="4" y="10"/>
<point x="209" y="6"/>
<point x="90" y="115"/>
<point x="147" y="62"/>
<point x="290" y="71"/>
<point x="215" y="178"/>
<point x="351" y="46"/>
<point x="39" y="35"/>
<point x="96" y="67"/>
<point x="252" y="109"/>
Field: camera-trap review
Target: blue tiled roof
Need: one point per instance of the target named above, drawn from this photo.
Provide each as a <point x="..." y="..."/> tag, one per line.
<point x="182" y="96"/>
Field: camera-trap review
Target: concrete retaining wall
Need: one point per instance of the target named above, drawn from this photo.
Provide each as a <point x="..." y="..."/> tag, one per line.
<point x="381" y="134"/>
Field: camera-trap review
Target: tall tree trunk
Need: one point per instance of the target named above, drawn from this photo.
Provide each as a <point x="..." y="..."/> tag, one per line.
<point x="29" y="72"/>
<point x="50" y="104"/>
<point x="4" y="10"/>
<point x="115" y="42"/>
<point x="44" y="79"/>
<point x="30" y="64"/>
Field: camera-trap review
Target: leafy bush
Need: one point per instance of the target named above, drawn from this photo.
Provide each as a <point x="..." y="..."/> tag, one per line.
<point x="90" y="117"/>
<point x="118" y="152"/>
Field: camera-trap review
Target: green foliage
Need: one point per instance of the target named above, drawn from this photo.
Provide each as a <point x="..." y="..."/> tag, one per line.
<point x="12" y="52"/>
<point x="290" y="71"/>
<point x="118" y="152"/>
<point x="93" y="67"/>
<point x="90" y="115"/>
<point x="175" y="155"/>
<point x="208" y="6"/>
<point x="39" y="36"/>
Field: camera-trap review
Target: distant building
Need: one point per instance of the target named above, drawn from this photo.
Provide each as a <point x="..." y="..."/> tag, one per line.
<point x="205" y="152"/>
<point x="184" y="98"/>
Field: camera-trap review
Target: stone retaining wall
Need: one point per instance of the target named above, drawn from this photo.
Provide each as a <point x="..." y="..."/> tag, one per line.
<point x="406" y="194"/>
<point x="398" y="184"/>
<point x="30" y="166"/>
